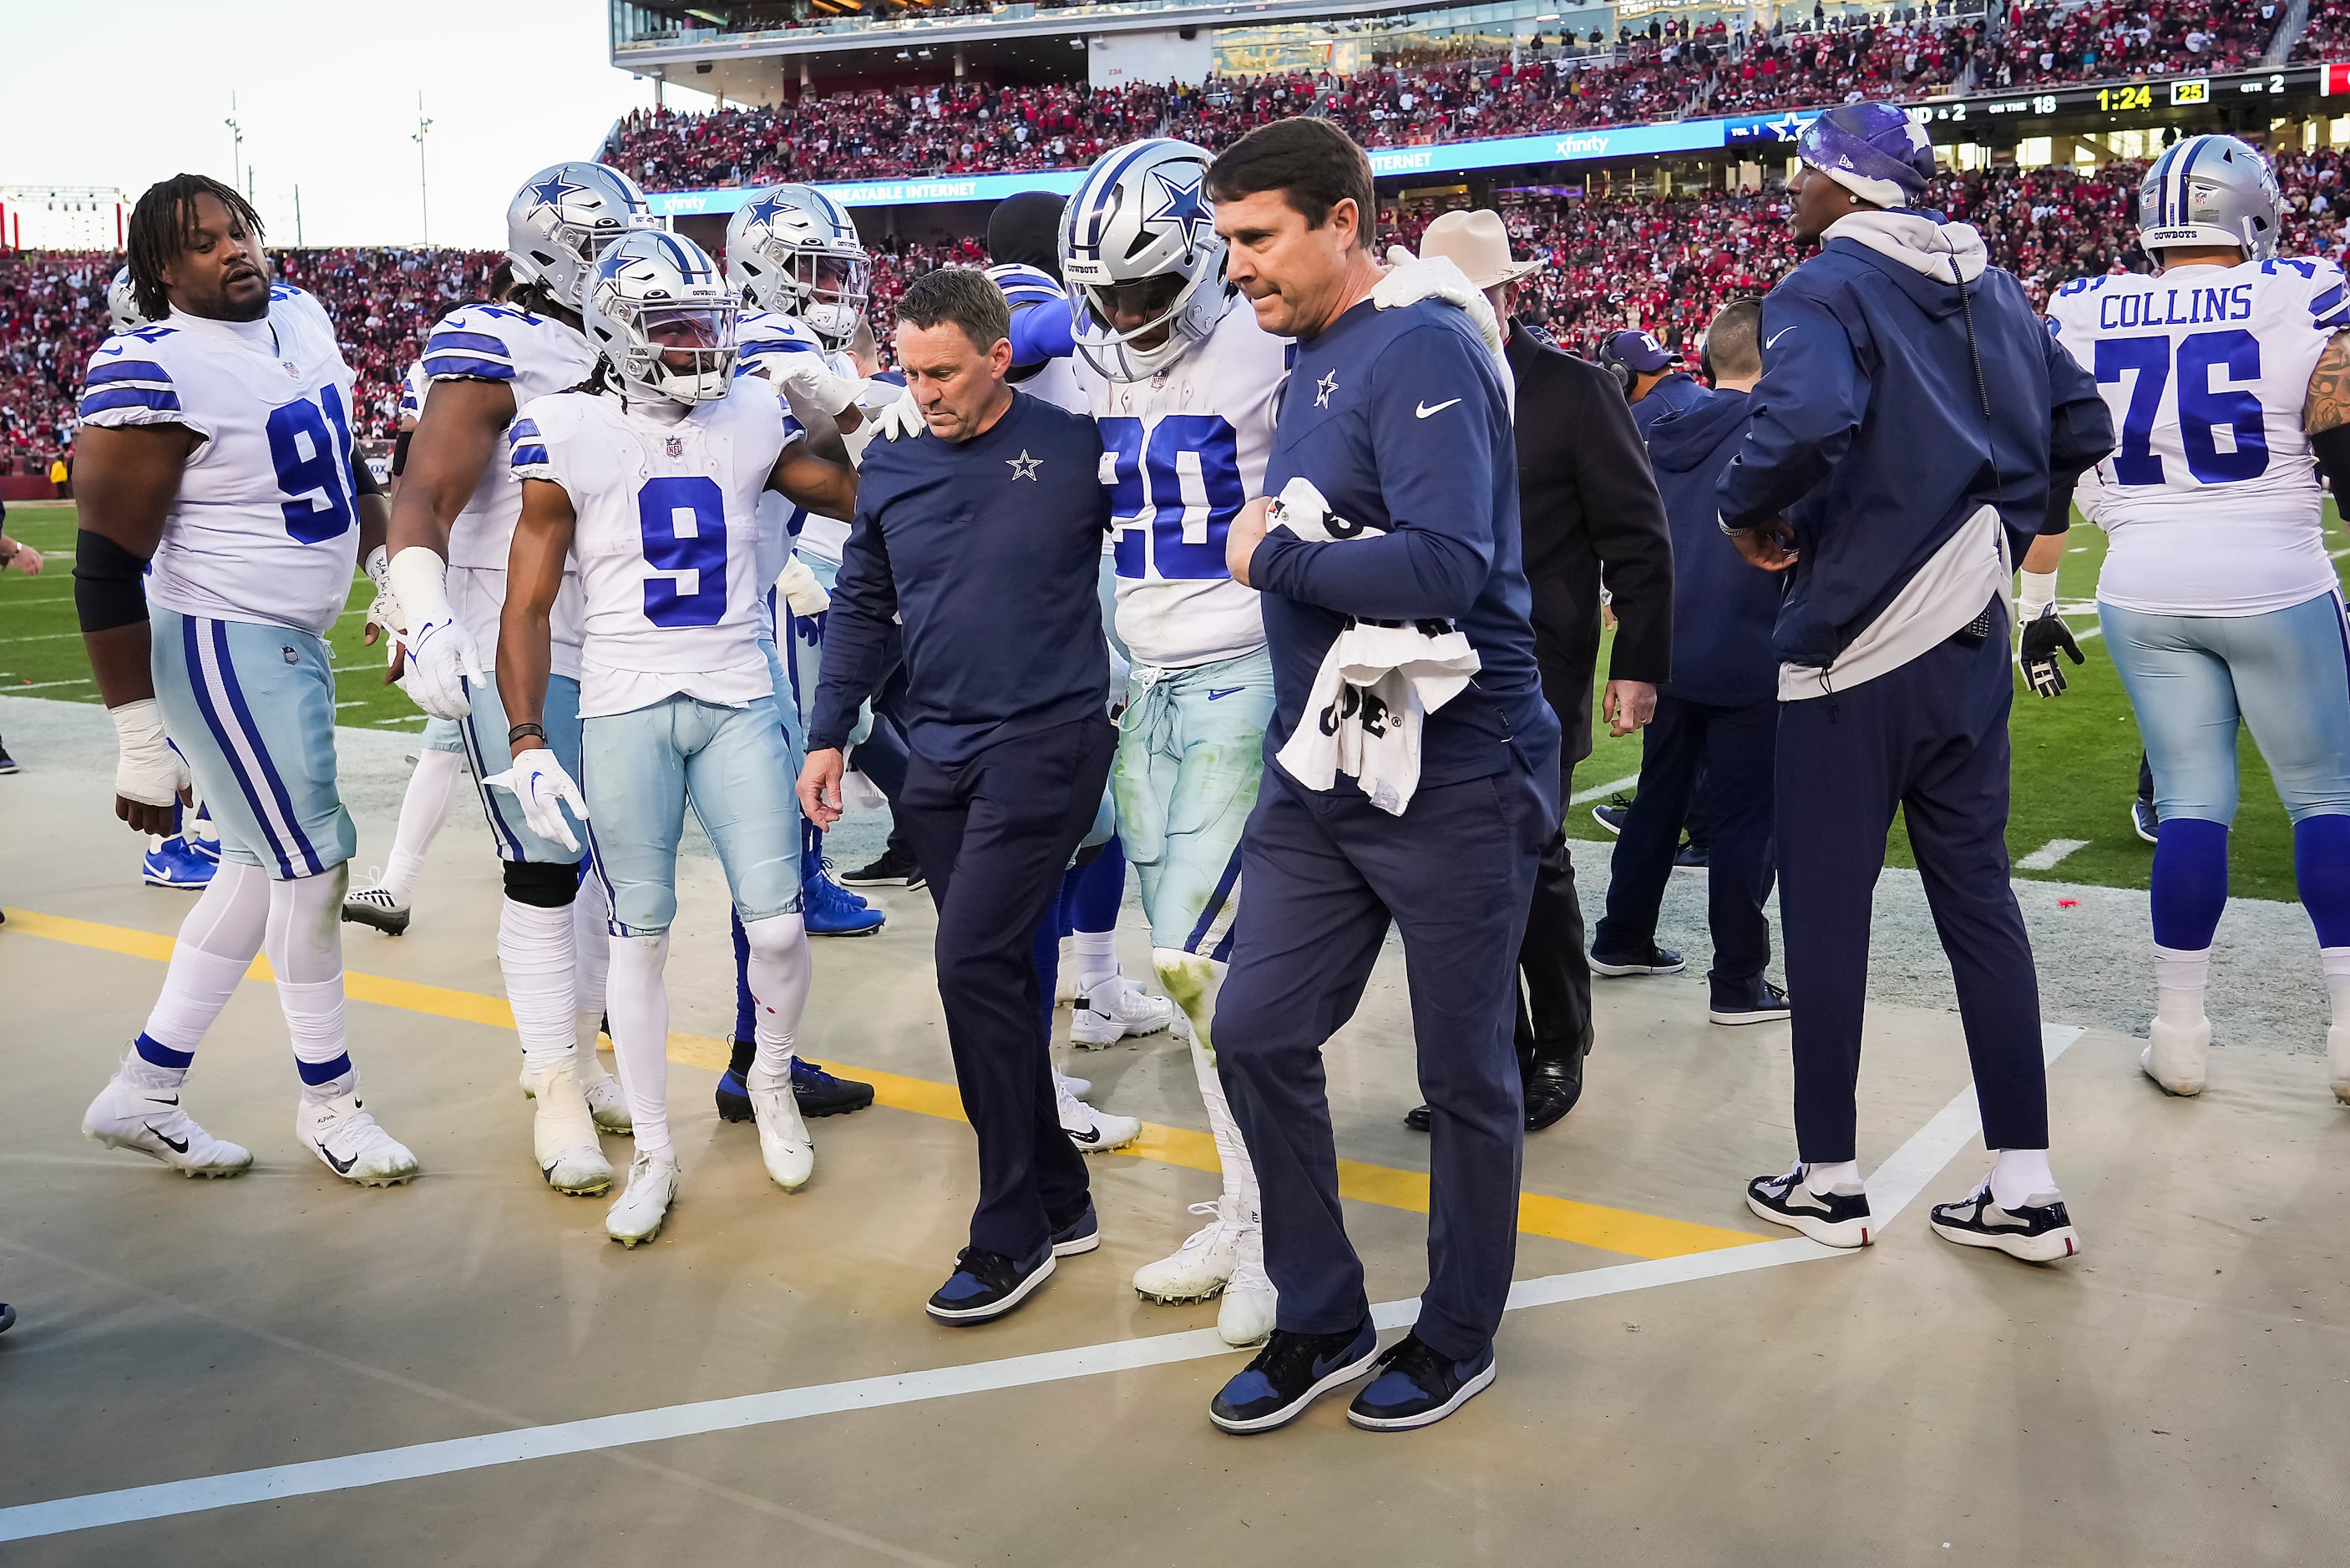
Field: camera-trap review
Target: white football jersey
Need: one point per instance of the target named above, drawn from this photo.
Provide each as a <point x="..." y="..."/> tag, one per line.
<point x="1184" y="452"/>
<point x="2212" y="494"/>
<point x="535" y="355"/>
<point x="666" y="540"/>
<point x="413" y="389"/>
<point x="264" y="527"/>
<point x="765" y="336"/>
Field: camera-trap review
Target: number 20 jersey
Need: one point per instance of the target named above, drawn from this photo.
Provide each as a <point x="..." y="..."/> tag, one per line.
<point x="666" y="538"/>
<point x="1184" y="453"/>
<point x="2212" y="494"/>
<point x="264" y="528"/>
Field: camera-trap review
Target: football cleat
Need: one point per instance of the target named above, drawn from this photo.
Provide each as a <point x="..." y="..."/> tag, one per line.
<point x="828" y="910"/>
<point x="374" y="905"/>
<point x="1078" y="1086"/>
<point x="644" y="1205"/>
<point x="174" y="862"/>
<point x="2176" y="1056"/>
<point x="351" y="1143"/>
<point x="563" y="1134"/>
<point x="1093" y="1131"/>
<point x="784" y="1142"/>
<point x="1110" y="1010"/>
<point x="606" y="1100"/>
<point x="1831" y="1218"/>
<point x="149" y="1121"/>
<point x="1246" y="1314"/>
<point x="2337" y="1061"/>
<point x="1200" y="1268"/>
<point x="2039" y="1231"/>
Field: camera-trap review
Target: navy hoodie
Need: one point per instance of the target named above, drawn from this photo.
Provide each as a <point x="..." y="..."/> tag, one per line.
<point x="1871" y="433"/>
<point x="1723" y="607"/>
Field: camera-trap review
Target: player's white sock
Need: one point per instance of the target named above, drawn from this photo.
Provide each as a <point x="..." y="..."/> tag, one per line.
<point x="1843" y="1176"/>
<point x="1231" y="1153"/>
<point x="422" y="810"/>
<point x="1096" y="956"/>
<point x="2180" y="975"/>
<point x="305" y="941"/>
<point x="2336" y="965"/>
<point x="780" y="971"/>
<point x="218" y="941"/>
<point x="639" y="1005"/>
<point x="535" y="955"/>
<point x="2021" y="1174"/>
<point x="591" y="943"/>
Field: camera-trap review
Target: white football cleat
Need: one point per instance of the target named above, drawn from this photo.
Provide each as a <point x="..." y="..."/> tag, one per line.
<point x="2337" y="1061"/>
<point x="351" y="1143"/>
<point x="1080" y="1087"/>
<point x="149" y="1122"/>
<point x="783" y="1141"/>
<point x="1093" y="1131"/>
<point x="1200" y="1267"/>
<point x="563" y="1134"/>
<point x="652" y="1188"/>
<point x="605" y="1101"/>
<point x="374" y="905"/>
<point x="2177" y="1055"/>
<point x="1108" y="1010"/>
<point x="1246" y="1314"/>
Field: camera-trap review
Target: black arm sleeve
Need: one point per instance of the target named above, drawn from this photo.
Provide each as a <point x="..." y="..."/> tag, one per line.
<point x="399" y="452"/>
<point x="107" y="589"/>
<point x="2059" y="516"/>
<point x="2332" y="450"/>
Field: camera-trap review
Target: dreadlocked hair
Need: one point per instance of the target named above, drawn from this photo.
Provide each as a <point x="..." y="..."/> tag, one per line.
<point x="162" y="224"/>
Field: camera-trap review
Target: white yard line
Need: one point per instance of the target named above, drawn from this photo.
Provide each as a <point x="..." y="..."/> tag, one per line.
<point x="2045" y="857"/>
<point x="1895" y="1185"/>
<point x="1596" y="791"/>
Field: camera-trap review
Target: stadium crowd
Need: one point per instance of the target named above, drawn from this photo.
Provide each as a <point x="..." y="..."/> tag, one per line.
<point x="2049" y="43"/>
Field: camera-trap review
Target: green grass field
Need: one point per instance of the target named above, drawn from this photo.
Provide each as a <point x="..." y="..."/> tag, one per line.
<point x="2075" y="756"/>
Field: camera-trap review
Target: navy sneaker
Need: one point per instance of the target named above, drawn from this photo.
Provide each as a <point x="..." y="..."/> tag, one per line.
<point x="893" y="868"/>
<point x="1754" y="1000"/>
<point x="1290" y="1373"/>
<point x="1691" y="855"/>
<point x="985" y="1286"/>
<point x="175" y="865"/>
<point x="1082" y="1234"/>
<point x="1647" y="959"/>
<point x="2038" y="1229"/>
<point x="1611" y="816"/>
<point x="7" y="1313"/>
<point x="830" y="909"/>
<point x="7" y="765"/>
<point x="1418" y="1385"/>
<point x="2144" y="820"/>
<point x="822" y="1095"/>
<point x="1831" y="1218"/>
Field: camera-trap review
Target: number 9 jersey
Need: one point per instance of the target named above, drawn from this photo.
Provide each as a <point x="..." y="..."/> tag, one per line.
<point x="264" y="528"/>
<point x="2212" y="497"/>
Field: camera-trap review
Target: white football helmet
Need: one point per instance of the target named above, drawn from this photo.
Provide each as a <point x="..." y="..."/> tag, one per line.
<point x="563" y="218"/>
<point x="2211" y="191"/>
<point x="653" y="298"/>
<point x="791" y="249"/>
<point x="1142" y="232"/>
<point x="122" y="303"/>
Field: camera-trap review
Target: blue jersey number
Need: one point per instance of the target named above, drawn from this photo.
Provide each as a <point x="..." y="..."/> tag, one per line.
<point x="1147" y="476"/>
<point x="2203" y="409"/>
<point x="312" y="466"/>
<point x="684" y="520"/>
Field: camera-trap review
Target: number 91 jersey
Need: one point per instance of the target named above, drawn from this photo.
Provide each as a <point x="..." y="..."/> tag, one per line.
<point x="264" y="527"/>
<point x="666" y="539"/>
<point x="2212" y="494"/>
<point x="1184" y="453"/>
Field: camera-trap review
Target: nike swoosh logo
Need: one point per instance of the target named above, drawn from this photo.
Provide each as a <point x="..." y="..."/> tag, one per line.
<point x="178" y="1148"/>
<point x="160" y="1100"/>
<point x="1091" y="1134"/>
<point x="1424" y="410"/>
<point x="341" y="1166"/>
<point x="1776" y="335"/>
<point x="1216" y="692"/>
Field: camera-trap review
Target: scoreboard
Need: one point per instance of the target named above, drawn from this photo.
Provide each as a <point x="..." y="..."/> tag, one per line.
<point x="2126" y="104"/>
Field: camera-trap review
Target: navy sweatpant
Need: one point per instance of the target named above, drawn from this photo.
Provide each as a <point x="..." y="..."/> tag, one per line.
<point x="993" y="835"/>
<point x="1325" y="874"/>
<point x="1730" y="749"/>
<point x="1929" y="738"/>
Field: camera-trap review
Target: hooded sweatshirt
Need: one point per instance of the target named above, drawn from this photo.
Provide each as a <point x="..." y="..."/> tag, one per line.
<point x="1723" y="607"/>
<point x="1906" y="385"/>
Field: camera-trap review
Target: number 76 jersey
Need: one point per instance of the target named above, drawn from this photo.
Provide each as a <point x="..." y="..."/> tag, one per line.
<point x="265" y="528"/>
<point x="2212" y="494"/>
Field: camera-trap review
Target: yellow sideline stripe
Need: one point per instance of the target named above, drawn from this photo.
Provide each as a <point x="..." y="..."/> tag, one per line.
<point x="1623" y="1230"/>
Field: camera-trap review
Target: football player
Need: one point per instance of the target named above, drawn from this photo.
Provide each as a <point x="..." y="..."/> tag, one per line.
<point x="221" y="518"/>
<point x="451" y="525"/>
<point x="649" y="477"/>
<point x="2228" y="374"/>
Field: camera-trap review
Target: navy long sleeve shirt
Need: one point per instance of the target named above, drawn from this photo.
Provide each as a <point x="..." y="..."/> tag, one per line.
<point x="1723" y="607"/>
<point x="989" y="551"/>
<point x="1399" y="418"/>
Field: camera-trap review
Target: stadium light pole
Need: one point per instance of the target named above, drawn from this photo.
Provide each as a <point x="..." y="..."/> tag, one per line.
<point x="424" y="194"/>
<point x="236" y="140"/>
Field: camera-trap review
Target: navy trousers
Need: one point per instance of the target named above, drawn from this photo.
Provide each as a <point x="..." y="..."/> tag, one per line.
<point x="993" y="834"/>
<point x="1326" y="875"/>
<point x="1730" y="750"/>
<point x="1931" y="739"/>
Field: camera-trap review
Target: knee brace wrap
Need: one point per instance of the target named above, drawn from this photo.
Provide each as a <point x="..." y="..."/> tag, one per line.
<point x="544" y="885"/>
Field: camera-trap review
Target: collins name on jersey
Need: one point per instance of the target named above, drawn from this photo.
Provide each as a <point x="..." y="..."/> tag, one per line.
<point x="2211" y="496"/>
<point x="264" y="527"/>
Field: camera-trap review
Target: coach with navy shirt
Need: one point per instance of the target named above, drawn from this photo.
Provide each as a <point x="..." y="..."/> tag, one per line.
<point x="983" y="534"/>
<point x="1401" y="419"/>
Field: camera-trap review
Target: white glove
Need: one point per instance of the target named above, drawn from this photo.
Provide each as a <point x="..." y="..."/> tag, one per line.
<point x="1411" y="280"/>
<point x="146" y="768"/>
<point x="900" y="418"/>
<point x="538" y="782"/>
<point x="800" y="590"/>
<point x="442" y="654"/>
<point x="807" y="378"/>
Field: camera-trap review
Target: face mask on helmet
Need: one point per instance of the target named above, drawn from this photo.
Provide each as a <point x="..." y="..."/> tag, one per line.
<point x="663" y="319"/>
<point x="832" y="290"/>
<point x="1137" y="244"/>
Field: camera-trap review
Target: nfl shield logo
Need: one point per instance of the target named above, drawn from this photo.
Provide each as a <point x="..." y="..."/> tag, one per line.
<point x="676" y="446"/>
<point x="290" y="368"/>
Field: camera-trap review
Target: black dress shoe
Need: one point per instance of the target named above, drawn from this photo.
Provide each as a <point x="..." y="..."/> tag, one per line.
<point x="1416" y="1119"/>
<point x="1554" y="1084"/>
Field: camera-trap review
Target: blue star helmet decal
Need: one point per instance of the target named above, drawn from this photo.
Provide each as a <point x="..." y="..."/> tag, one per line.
<point x="551" y="191"/>
<point x="1181" y="204"/>
<point x="769" y="210"/>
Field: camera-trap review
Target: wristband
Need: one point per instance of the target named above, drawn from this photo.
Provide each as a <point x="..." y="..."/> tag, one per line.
<point x="418" y="578"/>
<point x="519" y="730"/>
<point x="2039" y="593"/>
